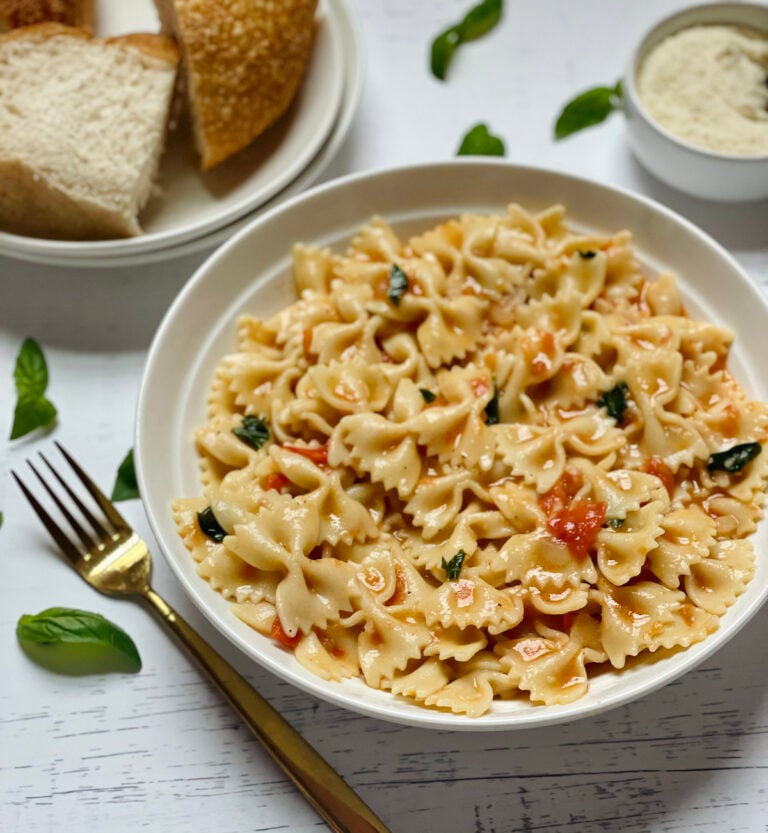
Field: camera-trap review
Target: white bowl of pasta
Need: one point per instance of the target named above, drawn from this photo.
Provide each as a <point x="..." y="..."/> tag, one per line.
<point x="486" y="473"/>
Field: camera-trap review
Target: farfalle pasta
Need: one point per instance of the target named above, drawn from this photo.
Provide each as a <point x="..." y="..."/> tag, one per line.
<point x="480" y="464"/>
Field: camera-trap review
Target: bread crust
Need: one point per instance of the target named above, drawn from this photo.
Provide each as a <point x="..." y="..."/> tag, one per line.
<point x="155" y="46"/>
<point x="244" y="61"/>
<point x="15" y="13"/>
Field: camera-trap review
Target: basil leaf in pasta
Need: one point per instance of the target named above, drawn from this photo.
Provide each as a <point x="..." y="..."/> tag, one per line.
<point x="253" y="431"/>
<point x="587" y="109"/>
<point x="210" y="526"/>
<point x="479" y="142"/>
<point x="615" y="401"/>
<point x="453" y="567"/>
<point x="614" y="523"/>
<point x="428" y="395"/>
<point x="126" y="487"/>
<point x="492" y="408"/>
<point x="32" y="410"/>
<point x="73" y="641"/>
<point x="398" y="284"/>
<point x="477" y="22"/>
<point x="734" y="459"/>
<point x="588" y="255"/>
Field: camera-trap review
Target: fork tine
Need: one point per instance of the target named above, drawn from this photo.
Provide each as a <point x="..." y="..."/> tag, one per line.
<point x="65" y="545"/>
<point x="115" y="518"/>
<point x="90" y="517"/>
<point x="84" y="537"/>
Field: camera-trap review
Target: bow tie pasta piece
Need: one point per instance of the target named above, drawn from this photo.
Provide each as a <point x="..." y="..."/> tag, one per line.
<point x="477" y="464"/>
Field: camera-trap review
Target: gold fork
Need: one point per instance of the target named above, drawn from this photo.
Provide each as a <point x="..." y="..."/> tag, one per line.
<point x="115" y="561"/>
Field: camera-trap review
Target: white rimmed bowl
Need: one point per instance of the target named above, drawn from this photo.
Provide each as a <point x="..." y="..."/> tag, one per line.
<point x="251" y="273"/>
<point x="707" y="174"/>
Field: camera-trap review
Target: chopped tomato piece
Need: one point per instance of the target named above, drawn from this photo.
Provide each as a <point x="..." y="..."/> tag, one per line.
<point x="279" y="635"/>
<point x="656" y="466"/>
<point x="563" y="492"/>
<point x="568" y="620"/>
<point x="480" y="386"/>
<point x="319" y="455"/>
<point x="276" y="480"/>
<point x="577" y="525"/>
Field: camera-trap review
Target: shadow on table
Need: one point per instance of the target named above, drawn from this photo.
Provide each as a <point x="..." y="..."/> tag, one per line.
<point x="739" y="226"/>
<point x="90" y="309"/>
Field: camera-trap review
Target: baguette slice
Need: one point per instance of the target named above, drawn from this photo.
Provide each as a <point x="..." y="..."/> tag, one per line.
<point x="14" y="13"/>
<point x="82" y="125"/>
<point x="242" y="62"/>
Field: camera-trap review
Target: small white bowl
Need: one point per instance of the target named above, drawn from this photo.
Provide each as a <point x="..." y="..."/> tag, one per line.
<point x="702" y="173"/>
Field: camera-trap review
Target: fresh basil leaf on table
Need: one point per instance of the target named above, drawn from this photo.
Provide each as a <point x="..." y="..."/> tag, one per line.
<point x="126" y="487"/>
<point x="478" y="141"/>
<point x="588" y="109"/>
<point x="32" y="410"/>
<point x="477" y="22"/>
<point x="76" y="642"/>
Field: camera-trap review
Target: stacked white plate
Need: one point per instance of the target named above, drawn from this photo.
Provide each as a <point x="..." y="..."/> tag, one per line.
<point x="195" y="211"/>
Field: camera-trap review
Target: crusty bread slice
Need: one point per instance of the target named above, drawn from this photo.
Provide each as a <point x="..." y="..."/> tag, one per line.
<point x="82" y="125"/>
<point x="14" y="13"/>
<point x="242" y="62"/>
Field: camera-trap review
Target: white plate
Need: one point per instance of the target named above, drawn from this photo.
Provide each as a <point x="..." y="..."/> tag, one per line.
<point x="192" y="205"/>
<point x="251" y="273"/>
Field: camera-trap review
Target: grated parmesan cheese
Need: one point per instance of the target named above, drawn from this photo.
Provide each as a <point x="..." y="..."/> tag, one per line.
<point x="708" y="85"/>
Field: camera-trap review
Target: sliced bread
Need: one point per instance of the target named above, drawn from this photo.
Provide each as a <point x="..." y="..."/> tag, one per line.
<point x="14" y="13"/>
<point x="82" y="125"/>
<point x="242" y="62"/>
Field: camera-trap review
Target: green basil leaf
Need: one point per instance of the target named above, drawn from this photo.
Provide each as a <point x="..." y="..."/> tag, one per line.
<point x="734" y="459"/>
<point x="398" y="284"/>
<point x="588" y="255"/>
<point x="126" y="486"/>
<point x="453" y="567"/>
<point x="1" y="520"/>
<point x="428" y="395"/>
<point x="31" y="371"/>
<point x="614" y="523"/>
<point x="480" y="20"/>
<point x="30" y="374"/>
<point x="253" y="431"/>
<point x="615" y="401"/>
<point x="31" y="414"/>
<point x="479" y="142"/>
<point x="477" y="22"/>
<point x="443" y="48"/>
<point x="210" y="526"/>
<point x="77" y="642"/>
<point x="492" y="408"/>
<point x="587" y="109"/>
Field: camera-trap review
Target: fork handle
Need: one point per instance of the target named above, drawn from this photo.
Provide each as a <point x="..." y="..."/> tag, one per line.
<point x="318" y="782"/>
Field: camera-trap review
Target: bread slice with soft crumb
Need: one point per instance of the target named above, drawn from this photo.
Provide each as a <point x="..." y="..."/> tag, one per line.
<point x="242" y="62"/>
<point x="15" y="13"/>
<point x="82" y="126"/>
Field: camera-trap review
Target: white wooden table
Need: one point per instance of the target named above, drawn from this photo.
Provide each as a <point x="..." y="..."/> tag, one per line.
<point x="160" y="751"/>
